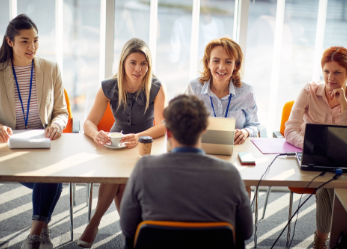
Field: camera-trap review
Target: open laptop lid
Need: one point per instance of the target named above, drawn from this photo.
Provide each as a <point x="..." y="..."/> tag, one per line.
<point x="325" y="147"/>
<point x="219" y="136"/>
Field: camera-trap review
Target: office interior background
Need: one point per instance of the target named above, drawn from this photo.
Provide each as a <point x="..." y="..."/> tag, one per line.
<point x="283" y="41"/>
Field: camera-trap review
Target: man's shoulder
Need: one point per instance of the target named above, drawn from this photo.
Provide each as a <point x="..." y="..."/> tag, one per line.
<point x="179" y="159"/>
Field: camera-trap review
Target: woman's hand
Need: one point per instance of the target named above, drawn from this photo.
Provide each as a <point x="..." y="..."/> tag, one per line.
<point x="240" y="136"/>
<point x="130" y="140"/>
<point x="340" y="95"/>
<point x="5" y="133"/>
<point x="102" y="138"/>
<point x="54" y="131"/>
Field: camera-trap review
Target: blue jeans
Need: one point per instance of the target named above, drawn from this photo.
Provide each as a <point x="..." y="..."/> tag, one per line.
<point x="45" y="197"/>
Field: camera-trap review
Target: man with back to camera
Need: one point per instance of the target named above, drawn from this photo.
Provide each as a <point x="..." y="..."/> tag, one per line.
<point x="186" y="185"/>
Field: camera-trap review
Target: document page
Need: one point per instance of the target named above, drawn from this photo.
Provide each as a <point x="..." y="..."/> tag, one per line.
<point x="25" y="139"/>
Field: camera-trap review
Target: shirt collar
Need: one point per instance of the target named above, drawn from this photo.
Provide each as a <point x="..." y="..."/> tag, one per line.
<point x="187" y="150"/>
<point x="320" y="90"/>
<point x="207" y="90"/>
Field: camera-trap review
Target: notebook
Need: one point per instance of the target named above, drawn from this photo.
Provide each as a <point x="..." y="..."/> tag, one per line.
<point x="325" y="148"/>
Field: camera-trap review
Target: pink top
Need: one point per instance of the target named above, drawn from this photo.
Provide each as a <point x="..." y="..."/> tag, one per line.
<point x="23" y="78"/>
<point x="311" y="106"/>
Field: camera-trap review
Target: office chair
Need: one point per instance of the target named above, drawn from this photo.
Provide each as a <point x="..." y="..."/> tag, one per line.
<point x="287" y="108"/>
<point x="170" y="234"/>
<point x="105" y="124"/>
<point x="73" y="126"/>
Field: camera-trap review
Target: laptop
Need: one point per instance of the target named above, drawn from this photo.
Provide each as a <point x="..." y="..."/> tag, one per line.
<point x="219" y="136"/>
<point x="325" y="148"/>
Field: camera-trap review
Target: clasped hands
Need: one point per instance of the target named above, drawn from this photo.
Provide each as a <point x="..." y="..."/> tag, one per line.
<point x="240" y="136"/>
<point x="52" y="132"/>
<point x="130" y="140"/>
<point x="340" y="95"/>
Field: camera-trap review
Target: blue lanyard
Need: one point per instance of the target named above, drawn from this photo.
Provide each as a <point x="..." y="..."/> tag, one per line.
<point x="226" y="111"/>
<point x="20" y="98"/>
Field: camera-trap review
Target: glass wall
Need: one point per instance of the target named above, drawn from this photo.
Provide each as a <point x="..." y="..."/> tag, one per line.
<point x="81" y="42"/>
<point x="42" y="12"/>
<point x="259" y="52"/>
<point x="81" y="53"/>
<point x="131" y="20"/>
<point x="4" y="17"/>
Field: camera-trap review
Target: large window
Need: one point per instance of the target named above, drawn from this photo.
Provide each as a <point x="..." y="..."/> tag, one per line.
<point x="284" y="40"/>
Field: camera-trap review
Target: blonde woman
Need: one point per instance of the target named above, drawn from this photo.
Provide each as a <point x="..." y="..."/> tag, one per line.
<point x="221" y="88"/>
<point x="137" y="100"/>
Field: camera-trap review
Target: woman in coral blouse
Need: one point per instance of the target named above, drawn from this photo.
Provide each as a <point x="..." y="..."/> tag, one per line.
<point x="321" y="103"/>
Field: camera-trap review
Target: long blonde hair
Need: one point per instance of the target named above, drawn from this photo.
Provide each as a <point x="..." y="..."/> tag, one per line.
<point x="134" y="45"/>
<point x="233" y="50"/>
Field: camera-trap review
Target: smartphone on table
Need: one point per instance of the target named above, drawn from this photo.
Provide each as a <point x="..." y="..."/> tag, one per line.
<point x="246" y="158"/>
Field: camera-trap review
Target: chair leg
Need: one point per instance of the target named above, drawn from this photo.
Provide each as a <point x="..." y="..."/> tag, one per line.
<point x="256" y="217"/>
<point x="74" y="193"/>
<point x="289" y="216"/>
<point x="90" y="203"/>
<point x="266" y="200"/>
<point x="87" y="194"/>
<point x="71" y="211"/>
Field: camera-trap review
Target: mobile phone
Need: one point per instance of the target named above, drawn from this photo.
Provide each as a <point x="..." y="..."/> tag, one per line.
<point x="246" y="158"/>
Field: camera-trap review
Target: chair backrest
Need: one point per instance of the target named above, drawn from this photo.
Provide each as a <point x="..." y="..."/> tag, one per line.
<point x="107" y="120"/>
<point x="169" y="234"/>
<point x="68" y="128"/>
<point x="287" y="108"/>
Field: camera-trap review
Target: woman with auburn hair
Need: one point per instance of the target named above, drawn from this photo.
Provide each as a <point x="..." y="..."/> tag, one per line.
<point x="221" y="88"/>
<point x="137" y="99"/>
<point x="321" y="103"/>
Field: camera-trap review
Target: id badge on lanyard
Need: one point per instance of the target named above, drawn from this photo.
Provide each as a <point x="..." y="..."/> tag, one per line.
<point x="26" y="117"/>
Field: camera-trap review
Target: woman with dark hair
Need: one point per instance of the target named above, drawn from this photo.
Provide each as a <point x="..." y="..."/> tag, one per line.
<point x="321" y="103"/>
<point x="31" y="97"/>
<point x="221" y="88"/>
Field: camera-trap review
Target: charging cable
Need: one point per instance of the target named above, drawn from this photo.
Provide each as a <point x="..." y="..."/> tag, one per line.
<point x="267" y="170"/>
<point x="338" y="173"/>
<point x="297" y="215"/>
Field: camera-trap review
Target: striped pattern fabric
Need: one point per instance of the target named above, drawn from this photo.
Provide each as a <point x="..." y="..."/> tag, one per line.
<point x="23" y="78"/>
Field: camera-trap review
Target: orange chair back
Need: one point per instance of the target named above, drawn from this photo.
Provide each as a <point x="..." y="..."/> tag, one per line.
<point x="107" y="120"/>
<point x="287" y="108"/>
<point x="68" y="128"/>
<point x="183" y="225"/>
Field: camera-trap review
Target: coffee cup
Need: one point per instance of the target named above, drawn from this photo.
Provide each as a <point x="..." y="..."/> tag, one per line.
<point x="115" y="138"/>
<point x="145" y="145"/>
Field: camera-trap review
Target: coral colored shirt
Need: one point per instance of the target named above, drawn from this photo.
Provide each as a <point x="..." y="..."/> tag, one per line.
<point x="311" y="106"/>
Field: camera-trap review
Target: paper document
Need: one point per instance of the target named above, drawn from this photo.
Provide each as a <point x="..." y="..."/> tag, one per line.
<point x="274" y="145"/>
<point x="25" y="139"/>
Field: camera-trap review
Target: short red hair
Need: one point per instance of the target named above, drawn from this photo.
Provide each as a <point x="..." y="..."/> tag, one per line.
<point x="233" y="50"/>
<point x="337" y="54"/>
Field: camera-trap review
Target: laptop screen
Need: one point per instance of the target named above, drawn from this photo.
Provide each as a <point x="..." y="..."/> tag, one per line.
<point x="325" y="145"/>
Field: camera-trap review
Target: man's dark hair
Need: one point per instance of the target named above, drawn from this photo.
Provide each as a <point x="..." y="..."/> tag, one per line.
<point x="186" y="118"/>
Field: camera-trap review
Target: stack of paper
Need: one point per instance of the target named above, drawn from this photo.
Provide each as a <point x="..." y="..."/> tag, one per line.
<point x="29" y="139"/>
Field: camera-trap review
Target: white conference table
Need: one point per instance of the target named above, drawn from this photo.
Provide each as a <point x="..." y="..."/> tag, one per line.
<point x="76" y="158"/>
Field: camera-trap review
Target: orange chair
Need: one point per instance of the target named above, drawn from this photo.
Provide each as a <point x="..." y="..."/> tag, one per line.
<point x="71" y="127"/>
<point x="170" y="234"/>
<point x="287" y="108"/>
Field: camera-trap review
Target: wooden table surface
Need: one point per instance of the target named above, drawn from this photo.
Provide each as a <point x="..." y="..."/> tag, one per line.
<point x="76" y="158"/>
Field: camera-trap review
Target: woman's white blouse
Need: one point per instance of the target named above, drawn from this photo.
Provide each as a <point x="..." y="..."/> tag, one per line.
<point x="242" y="104"/>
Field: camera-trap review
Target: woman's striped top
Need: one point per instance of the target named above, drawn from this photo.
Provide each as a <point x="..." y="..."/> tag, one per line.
<point x="23" y="78"/>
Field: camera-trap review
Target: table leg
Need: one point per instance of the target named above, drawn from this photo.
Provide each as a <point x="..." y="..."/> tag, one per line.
<point x="87" y="194"/>
<point x="71" y="211"/>
<point x="90" y="203"/>
<point x="289" y="216"/>
<point x="256" y="217"/>
<point x="339" y="221"/>
<point x="74" y="193"/>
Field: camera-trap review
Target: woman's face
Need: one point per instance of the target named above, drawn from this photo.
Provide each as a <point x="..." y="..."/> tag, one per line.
<point x="136" y="67"/>
<point x="24" y="46"/>
<point x="221" y="65"/>
<point x="335" y="76"/>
